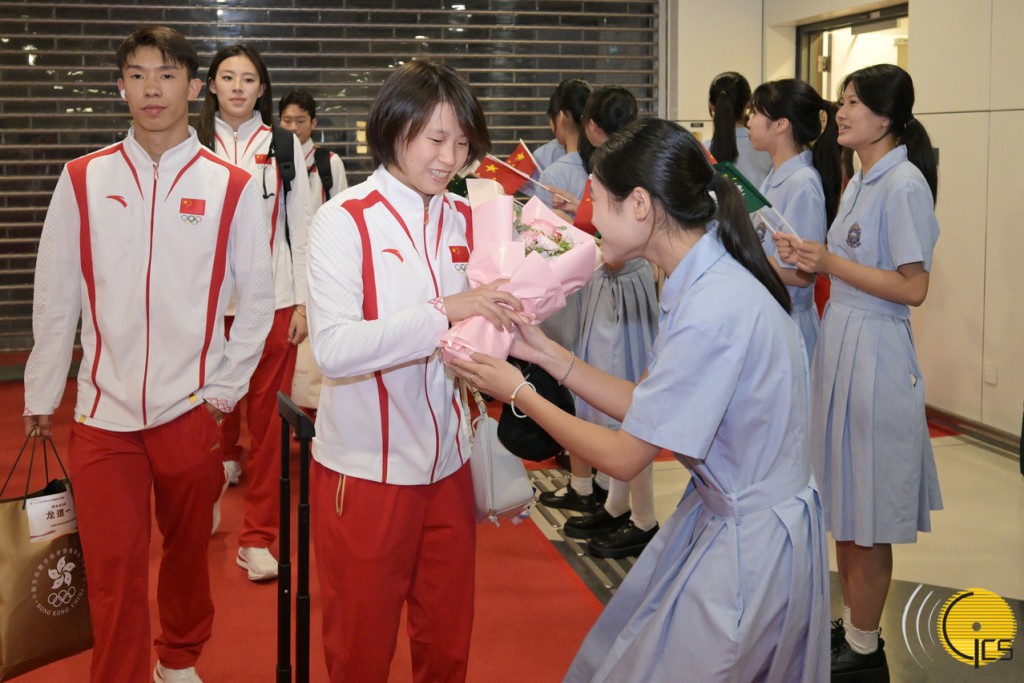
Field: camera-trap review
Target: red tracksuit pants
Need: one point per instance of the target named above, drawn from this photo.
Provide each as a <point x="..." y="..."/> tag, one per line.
<point x="115" y="476"/>
<point x="262" y="491"/>
<point x="379" y="547"/>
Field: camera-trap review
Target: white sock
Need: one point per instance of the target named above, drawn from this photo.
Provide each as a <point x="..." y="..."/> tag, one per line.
<point x="861" y="642"/>
<point x="641" y="493"/>
<point x="603" y="480"/>
<point x="583" y="485"/>
<point x="618" y="497"/>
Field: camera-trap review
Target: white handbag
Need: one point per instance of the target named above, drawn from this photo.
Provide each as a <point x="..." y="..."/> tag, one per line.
<point x="500" y="483"/>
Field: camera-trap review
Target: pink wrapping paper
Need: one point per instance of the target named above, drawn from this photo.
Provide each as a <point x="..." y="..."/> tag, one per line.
<point x="540" y="283"/>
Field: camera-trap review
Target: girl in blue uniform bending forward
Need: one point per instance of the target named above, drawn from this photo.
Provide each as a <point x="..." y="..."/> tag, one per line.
<point x="869" y="434"/>
<point x="737" y="579"/>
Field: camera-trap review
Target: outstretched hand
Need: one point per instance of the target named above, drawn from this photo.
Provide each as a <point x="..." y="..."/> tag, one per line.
<point x="491" y="376"/>
<point x="497" y="306"/>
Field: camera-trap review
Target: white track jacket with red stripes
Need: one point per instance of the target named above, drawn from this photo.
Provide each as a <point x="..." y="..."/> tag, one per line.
<point x="389" y="410"/>
<point x="248" y="147"/>
<point x="149" y="255"/>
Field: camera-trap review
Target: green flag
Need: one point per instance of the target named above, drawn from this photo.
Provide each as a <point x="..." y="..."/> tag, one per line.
<point x="457" y="185"/>
<point x="754" y="199"/>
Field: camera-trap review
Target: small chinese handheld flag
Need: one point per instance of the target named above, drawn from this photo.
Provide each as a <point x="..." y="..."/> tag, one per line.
<point x="495" y="169"/>
<point x="585" y="212"/>
<point x="522" y="160"/>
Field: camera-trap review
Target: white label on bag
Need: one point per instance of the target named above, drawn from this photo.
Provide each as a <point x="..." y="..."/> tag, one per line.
<point x="51" y="516"/>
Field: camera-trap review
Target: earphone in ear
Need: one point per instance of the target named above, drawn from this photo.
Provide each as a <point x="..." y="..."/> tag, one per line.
<point x="122" y="93"/>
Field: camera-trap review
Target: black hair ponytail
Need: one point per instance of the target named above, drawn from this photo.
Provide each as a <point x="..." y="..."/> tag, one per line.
<point x="827" y="158"/>
<point x="740" y="240"/>
<point x="729" y="94"/>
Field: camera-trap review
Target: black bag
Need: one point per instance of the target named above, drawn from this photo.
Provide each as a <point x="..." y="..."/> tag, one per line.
<point x="521" y="435"/>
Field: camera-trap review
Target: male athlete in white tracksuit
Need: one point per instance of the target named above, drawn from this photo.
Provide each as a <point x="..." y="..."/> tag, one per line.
<point x="146" y="240"/>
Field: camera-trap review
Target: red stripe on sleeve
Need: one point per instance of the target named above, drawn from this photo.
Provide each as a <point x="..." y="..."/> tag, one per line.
<point x="77" y="171"/>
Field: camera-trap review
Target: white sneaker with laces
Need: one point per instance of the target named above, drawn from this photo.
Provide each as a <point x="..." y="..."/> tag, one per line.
<point x="161" y="674"/>
<point x="260" y="564"/>
<point x="216" y="506"/>
<point x="234" y="470"/>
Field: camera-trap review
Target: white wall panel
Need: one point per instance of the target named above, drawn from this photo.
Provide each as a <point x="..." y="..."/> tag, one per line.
<point x="1007" y="54"/>
<point x="948" y="326"/>
<point x="725" y="36"/>
<point x="949" y="54"/>
<point x="1004" y="275"/>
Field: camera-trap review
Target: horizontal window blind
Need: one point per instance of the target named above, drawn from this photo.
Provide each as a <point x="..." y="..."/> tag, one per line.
<point x="58" y="96"/>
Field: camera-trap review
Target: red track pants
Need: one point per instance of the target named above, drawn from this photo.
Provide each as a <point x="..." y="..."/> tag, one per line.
<point x="379" y="546"/>
<point x="262" y="469"/>
<point x="115" y="475"/>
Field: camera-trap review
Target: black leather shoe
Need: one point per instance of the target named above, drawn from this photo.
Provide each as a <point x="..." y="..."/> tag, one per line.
<point x="601" y="494"/>
<point x="850" y="667"/>
<point x="567" y="499"/>
<point x="626" y="541"/>
<point x="594" y="524"/>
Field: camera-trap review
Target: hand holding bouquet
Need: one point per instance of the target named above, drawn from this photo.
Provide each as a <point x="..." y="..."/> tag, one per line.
<point x="544" y="259"/>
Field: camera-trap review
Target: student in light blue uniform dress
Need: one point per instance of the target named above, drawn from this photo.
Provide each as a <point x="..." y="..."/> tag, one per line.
<point x="566" y="173"/>
<point x="735" y="585"/>
<point x="618" y="326"/>
<point x="728" y="98"/>
<point x="803" y="186"/>
<point x="546" y="154"/>
<point x="870" y="439"/>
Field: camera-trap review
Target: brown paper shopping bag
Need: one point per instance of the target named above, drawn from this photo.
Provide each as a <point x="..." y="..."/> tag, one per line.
<point x="44" y="604"/>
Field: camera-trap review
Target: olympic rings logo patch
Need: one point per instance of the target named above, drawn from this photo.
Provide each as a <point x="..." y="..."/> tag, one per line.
<point x="460" y="267"/>
<point x="191" y="219"/>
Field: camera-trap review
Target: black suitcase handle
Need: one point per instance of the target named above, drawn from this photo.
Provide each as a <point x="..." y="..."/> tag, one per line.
<point x="293" y="419"/>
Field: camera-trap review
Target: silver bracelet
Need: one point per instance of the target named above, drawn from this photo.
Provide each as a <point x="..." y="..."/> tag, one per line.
<point x="512" y="398"/>
<point x="572" y="361"/>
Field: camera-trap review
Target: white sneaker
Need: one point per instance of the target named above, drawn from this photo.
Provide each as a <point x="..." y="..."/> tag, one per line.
<point x="161" y="674"/>
<point x="234" y="470"/>
<point x="260" y="564"/>
<point x="216" y="506"/>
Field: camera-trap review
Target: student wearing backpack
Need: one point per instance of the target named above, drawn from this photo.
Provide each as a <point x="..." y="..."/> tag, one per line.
<point x="297" y="110"/>
<point x="236" y="124"/>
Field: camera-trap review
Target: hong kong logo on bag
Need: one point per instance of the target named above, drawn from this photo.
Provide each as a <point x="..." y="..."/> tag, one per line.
<point x="58" y="583"/>
<point x="853" y="237"/>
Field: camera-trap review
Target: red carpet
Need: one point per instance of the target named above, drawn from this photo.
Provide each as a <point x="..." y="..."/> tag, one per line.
<point x="532" y="609"/>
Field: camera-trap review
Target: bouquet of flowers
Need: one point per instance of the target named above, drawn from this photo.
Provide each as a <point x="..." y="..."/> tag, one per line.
<point x="544" y="258"/>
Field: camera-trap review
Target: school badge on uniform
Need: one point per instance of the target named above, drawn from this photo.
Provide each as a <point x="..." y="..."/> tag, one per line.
<point x="460" y="257"/>
<point x="192" y="210"/>
<point x="853" y="236"/>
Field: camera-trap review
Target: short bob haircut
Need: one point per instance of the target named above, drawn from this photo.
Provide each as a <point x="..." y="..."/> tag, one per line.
<point x="407" y="101"/>
<point x="173" y="46"/>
